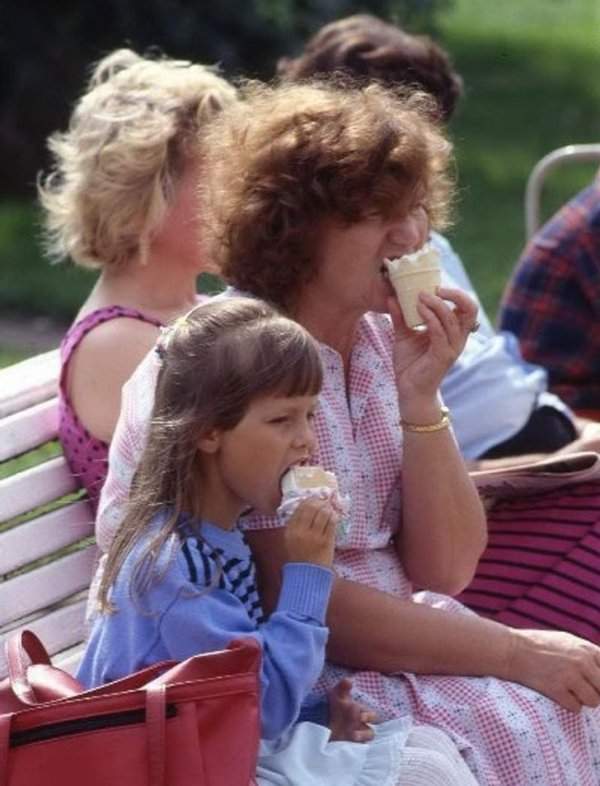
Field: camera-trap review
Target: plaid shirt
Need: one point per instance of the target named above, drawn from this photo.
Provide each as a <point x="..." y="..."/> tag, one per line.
<point x="552" y="303"/>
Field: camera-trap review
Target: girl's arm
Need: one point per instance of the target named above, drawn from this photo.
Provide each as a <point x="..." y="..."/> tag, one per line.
<point x="293" y="640"/>
<point x="373" y="630"/>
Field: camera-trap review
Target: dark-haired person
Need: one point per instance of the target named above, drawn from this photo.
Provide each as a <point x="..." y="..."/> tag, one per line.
<point x="520" y="415"/>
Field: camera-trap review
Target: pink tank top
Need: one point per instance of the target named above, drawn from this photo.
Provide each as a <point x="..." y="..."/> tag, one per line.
<point x="86" y="455"/>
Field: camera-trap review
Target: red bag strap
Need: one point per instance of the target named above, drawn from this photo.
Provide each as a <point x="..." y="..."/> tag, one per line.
<point x="156" y="712"/>
<point x="4" y="745"/>
<point x="24" y="642"/>
<point x="16" y="647"/>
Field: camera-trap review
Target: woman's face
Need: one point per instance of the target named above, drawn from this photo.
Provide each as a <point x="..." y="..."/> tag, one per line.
<point x="178" y="238"/>
<point x="351" y="273"/>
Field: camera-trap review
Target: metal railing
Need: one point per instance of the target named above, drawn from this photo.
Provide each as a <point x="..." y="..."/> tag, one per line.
<point x="540" y="171"/>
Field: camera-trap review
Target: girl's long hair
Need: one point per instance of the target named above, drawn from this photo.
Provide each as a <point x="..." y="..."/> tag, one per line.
<point x="215" y="362"/>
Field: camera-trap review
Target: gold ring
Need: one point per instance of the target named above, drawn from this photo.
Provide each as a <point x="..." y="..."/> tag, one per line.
<point x="475" y="327"/>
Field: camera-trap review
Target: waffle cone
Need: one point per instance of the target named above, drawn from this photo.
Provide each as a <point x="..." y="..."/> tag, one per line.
<point x="407" y="285"/>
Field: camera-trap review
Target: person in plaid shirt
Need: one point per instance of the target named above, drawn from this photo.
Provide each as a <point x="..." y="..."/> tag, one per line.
<point x="552" y="302"/>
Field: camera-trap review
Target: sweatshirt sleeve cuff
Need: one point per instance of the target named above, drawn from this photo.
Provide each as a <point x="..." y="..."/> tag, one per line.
<point x="315" y="709"/>
<point x="305" y="590"/>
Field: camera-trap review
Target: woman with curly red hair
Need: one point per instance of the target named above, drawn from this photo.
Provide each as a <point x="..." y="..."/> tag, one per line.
<point x="311" y="188"/>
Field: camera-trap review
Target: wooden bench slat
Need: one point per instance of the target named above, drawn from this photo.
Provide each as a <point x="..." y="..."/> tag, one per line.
<point x="46" y="585"/>
<point x="61" y="631"/>
<point x="49" y="595"/>
<point x="69" y="660"/>
<point x="35" y="487"/>
<point x="44" y="535"/>
<point x="29" y="382"/>
<point x="26" y="430"/>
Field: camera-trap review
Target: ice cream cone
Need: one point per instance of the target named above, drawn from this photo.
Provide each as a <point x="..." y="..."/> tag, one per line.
<point x="302" y="477"/>
<point x="407" y="285"/>
<point x="411" y="274"/>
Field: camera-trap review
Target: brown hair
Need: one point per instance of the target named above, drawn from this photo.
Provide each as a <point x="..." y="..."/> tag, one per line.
<point x="290" y="156"/>
<point x="368" y="48"/>
<point x="215" y="362"/>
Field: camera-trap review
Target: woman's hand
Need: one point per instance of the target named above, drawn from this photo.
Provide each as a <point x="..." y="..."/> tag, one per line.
<point x="310" y="532"/>
<point x="422" y="358"/>
<point x="563" y="667"/>
<point x="348" y="720"/>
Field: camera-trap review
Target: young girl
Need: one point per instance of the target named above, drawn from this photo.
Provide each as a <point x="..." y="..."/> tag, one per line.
<point x="235" y="400"/>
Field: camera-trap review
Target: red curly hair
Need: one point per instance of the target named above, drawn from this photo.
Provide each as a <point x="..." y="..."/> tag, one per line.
<point x="289" y="156"/>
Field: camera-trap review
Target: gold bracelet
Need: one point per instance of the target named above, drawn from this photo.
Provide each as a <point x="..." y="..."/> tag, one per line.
<point x="443" y="422"/>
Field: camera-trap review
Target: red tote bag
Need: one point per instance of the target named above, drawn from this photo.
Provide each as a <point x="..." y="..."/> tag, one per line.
<point x="193" y="723"/>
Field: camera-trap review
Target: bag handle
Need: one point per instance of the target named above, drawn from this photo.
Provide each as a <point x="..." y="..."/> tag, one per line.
<point x="156" y="724"/>
<point x="16" y="647"/>
<point x="5" y="722"/>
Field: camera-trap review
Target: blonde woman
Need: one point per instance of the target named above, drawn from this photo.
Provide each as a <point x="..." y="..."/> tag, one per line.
<point x="121" y="198"/>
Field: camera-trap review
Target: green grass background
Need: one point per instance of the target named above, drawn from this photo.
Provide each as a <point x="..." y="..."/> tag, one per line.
<point x="532" y="80"/>
<point x="531" y="76"/>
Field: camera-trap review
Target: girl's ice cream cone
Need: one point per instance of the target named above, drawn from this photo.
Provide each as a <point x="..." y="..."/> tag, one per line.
<point x="301" y="482"/>
<point x="411" y="274"/>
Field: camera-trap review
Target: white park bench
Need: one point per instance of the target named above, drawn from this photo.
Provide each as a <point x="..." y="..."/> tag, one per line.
<point x="46" y="551"/>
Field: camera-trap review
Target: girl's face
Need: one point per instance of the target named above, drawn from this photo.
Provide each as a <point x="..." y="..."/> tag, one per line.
<point x="351" y="274"/>
<point x="244" y="465"/>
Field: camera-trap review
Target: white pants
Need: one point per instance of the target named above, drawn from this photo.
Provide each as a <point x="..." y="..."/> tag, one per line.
<point x="400" y="755"/>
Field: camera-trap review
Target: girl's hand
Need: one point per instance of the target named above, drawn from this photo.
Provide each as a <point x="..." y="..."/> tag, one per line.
<point x="310" y="532"/>
<point x="422" y="358"/>
<point x="563" y="667"/>
<point x="348" y="720"/>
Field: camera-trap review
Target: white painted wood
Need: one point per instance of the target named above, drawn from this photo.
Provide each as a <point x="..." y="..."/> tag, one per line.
<point x="35" y="487"/>
<point x="26" y="430"/>
<point x="69" y="660"/>
<point x="41" y="588"/>
<point x="29" y="382"/>
<point x="44" y="535"/>
<point x="48" y="598"/>
<point x="62" y="631"/>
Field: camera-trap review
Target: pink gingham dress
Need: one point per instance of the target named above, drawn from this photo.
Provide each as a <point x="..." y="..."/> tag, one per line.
<point x="511" y="735"/>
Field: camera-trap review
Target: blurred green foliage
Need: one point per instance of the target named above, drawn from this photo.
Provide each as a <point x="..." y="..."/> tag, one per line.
<point x="530" y="70"/>
<point x="45" y="55"/>
<point x="29" y="285"/>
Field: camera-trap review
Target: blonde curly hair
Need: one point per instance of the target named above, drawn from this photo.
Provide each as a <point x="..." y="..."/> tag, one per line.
<point x="115" y="168"/>
<point x="290" y="156"/>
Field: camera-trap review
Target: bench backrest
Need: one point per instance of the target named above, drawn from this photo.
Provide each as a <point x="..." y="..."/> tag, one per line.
<point x="46" y="527"/>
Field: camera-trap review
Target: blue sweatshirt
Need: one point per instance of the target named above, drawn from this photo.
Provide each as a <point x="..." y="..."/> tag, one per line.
<point x="203" y="597"/>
